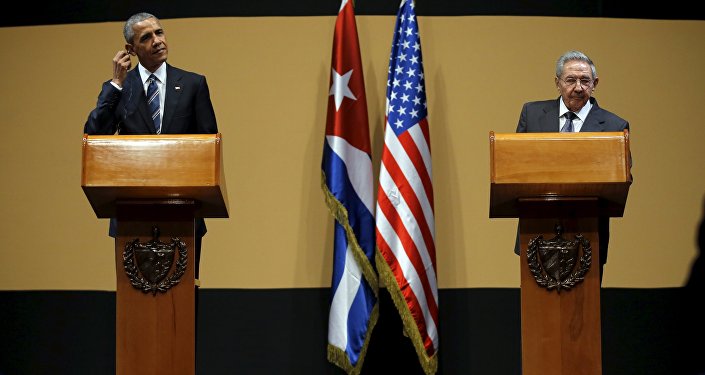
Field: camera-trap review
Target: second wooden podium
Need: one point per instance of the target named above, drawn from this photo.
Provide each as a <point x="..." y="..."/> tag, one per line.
<point x="560" y="185"/>
<point x="156" y="187"/>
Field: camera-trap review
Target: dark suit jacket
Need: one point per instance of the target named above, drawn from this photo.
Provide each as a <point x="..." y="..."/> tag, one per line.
<point x="542" y="117"/>
<point x="187" y="110"/>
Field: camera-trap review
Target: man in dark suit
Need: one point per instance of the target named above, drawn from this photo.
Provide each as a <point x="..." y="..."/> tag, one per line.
<point x="181" y="99"/>
<point x="576" y="80"/>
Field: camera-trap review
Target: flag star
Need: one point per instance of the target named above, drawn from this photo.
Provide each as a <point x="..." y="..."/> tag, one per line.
<point x="340" y="89"/>
<point x="399" y="69"/>
<point x="404" y="98"/>
<point x="411" y="72"/>
<point x="414" y="113"/>
<point x="417" y="101"/>
<point x="414" y="59"/>
<point x="405" y="44"/>
<point x="391" y="109"/>
<point x="393" y="95"/>
<point x="416" y="46"/>
<point x="419" y="88"/>
<point x="401" y="111"/>
<point x="412" y="17"/>
<point x="409" y="31"/>
<point x="407" y="85"/>
<point x="402" y="57"/>
<point x="420" y="75"/>
<point x="396" y="82"/>
<point x="399" y="123"/>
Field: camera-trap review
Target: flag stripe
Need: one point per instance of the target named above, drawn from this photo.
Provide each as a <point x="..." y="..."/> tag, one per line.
<point x="358" y="166"/>
<point x="351" y="304"/>
<point x="403" y="224"/>
<point x="422" y="149"/>
<point x="359" y="218"/>
<point x="407" y="208"/>
<point x="411" y="282"/>
<point x="344" y="291"/>
<point x="414" y="269"/>
<point x="410" y="179"/>
<point x="405" y="275"/>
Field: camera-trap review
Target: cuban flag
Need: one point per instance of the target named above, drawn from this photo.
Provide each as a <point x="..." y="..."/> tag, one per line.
<point x="348" y="190"/>
<point x="406" y="259"/>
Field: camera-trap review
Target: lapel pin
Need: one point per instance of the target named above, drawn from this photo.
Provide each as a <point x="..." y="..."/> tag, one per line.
<point x="177" y="87"/>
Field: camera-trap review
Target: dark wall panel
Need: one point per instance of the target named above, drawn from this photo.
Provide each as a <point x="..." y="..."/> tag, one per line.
<point x="645" y="332"/>
<point x="82" y="11"/>
<point x="58" y="332"/>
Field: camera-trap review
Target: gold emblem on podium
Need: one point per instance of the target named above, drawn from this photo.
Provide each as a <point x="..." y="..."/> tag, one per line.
<point x="559" y="263"/>
<point x="148" y="264"/>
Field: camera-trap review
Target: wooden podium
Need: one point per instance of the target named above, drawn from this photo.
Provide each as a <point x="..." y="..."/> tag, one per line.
<point x="558" y="185"/>
<point x="155" y="186"/>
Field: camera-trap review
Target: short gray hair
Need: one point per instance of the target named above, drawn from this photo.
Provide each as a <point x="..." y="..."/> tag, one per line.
<point x="127" y="31"/>
<point x="573" y="56"/>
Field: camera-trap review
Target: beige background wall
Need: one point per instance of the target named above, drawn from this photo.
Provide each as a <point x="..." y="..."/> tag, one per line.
<point x="269" y="84"/>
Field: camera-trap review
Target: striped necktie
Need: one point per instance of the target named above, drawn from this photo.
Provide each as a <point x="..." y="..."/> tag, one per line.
<point x="568" y="126"/>
<point x="153" y="103"/>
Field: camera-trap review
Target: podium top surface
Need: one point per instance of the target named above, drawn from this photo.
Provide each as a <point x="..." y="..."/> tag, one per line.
<point x="139" y="167"/>
<point x="531" y="165"/>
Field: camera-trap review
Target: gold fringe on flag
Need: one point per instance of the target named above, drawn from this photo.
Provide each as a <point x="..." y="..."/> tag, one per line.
<point x="429" y="364"/>
<point x="341" y="215"/>
<point x="340" y="358"/>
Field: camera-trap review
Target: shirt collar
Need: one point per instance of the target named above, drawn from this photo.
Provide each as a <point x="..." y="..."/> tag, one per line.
<point x="582" y="113"/>
<point x="160" y="73"/>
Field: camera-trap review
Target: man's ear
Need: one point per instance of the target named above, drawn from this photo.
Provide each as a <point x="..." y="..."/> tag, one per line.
<point x="129" y="49"/>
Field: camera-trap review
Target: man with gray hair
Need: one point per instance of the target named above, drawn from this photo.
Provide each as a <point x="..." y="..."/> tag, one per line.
<point x="575" y="110"/>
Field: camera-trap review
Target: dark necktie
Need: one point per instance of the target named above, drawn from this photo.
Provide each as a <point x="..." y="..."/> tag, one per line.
<point x="153" y="103"/>
<point x="568" y="126"/>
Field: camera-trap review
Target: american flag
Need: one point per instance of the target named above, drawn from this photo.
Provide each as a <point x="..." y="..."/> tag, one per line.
<point x="349" y="192"/>
<point x="406" y="259"/>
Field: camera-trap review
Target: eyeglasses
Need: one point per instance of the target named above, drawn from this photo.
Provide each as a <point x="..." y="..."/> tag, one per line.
<point x="584" y="82"/>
